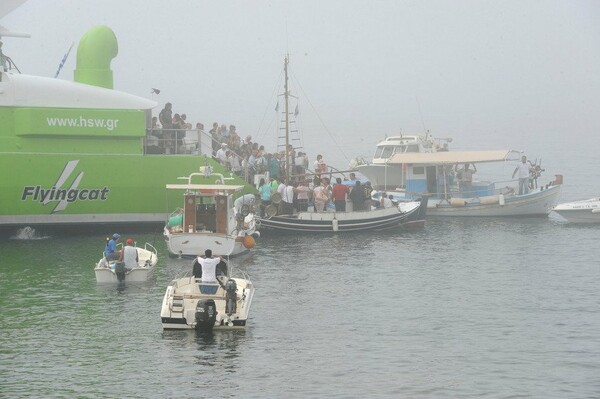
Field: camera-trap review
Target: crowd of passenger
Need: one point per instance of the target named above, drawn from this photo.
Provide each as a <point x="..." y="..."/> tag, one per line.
<point x="276" y="196"/>
<point x="244" y="157"/>
<point x="248" y="158"/>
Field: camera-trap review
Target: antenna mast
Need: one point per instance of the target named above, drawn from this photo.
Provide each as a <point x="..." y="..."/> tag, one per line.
<point x="287" y="120"/>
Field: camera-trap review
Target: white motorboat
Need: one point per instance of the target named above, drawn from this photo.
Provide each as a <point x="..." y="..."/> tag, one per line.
<point x="190" y="303"/>
<point x="208" y="219"/>
<point x="584" y="211"/>
<point x="114" y="271"/>
<point x="378" y="170"/>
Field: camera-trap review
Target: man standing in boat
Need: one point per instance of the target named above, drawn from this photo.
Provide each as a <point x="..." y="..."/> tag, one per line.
<point x="340" y="191"/>
<point x="465" y="179"/>
<point x="523" y="170"/>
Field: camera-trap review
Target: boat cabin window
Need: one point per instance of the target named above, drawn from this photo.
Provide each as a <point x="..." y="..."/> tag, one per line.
<point x="418" y="170"/>
<point x="385" y="151"/>
<point x="410" y="148"/>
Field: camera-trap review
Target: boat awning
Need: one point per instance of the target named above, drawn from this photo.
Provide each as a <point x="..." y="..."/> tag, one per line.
<point x="451" y="157"/>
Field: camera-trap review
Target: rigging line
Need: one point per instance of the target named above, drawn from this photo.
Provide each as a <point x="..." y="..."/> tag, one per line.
<point x="421" y="114"/>
<point x="320" y="119"/>
<point x="277" y="84"/>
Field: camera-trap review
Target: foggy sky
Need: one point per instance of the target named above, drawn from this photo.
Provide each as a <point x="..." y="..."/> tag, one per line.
<point x="503" y="71"/>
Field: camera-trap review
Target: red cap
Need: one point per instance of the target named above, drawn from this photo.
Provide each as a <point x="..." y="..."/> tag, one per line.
<point x="129" y="241"/>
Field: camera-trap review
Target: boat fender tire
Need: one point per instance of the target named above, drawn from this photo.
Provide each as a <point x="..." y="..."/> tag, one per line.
<point x="245" y="210"/>
<point x="270" y="211"/>
<point x="206" y="314"/>
<point x="276" y="198"/>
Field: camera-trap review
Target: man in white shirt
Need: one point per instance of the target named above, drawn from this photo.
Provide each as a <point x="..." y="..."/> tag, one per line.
<point x="129" y="255"/>
<point x="222" y="154"/>
<point x="209" y="266"/>
<point x="386" y="201"/>
<point x="288" y="199"/>
<point x="523" y="170"/>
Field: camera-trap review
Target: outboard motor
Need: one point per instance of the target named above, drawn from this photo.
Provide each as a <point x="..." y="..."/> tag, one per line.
<point x="206" y="314"/>
<point x="230" y="297"/>
<point x="120" y="271"/>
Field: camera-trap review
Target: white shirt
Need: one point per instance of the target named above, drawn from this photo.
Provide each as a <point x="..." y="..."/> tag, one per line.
<point x="281" y="189"/>
<point x="523" y="170"/>
<point x="130" y="257"/>
<point x="387" y="203"/>
<point x="221" y="155"/>
<point x="234" y="163"/>
<point x="209" y="267"/>
<point x="288" y="194"/>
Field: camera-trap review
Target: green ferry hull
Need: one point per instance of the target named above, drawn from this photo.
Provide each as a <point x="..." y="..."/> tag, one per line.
<point x="59" y="189"/>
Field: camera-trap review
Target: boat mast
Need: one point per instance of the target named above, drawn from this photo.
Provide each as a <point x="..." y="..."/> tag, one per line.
<point x="287" y="121"/>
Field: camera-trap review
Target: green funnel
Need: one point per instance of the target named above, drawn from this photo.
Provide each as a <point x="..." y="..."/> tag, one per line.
<point x="95" y="51"/>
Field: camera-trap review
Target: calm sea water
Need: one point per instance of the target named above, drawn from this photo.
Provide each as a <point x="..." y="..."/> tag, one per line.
<point x="477" y="308"/>
<point x="494" y="308"/>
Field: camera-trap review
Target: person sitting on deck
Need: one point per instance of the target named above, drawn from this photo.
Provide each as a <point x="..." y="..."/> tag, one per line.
<point x="386" y="201"/>
<point x="110" y="250"/>
<point x="129" y="255"/>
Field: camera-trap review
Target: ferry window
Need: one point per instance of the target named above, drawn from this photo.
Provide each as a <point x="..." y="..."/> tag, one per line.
<point x="418" y="170"/>
<point x="412" y="148"/>
<point x="378" y="152"/>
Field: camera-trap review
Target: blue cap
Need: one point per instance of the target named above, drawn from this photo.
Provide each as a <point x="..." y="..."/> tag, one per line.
<point x="116" y="236"/>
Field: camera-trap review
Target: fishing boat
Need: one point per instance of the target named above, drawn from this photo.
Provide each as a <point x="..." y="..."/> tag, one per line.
<point x="190" y="303"/>
<point x="208" y="218"/>
<point x="584" y="211"/>
<point x="82" y="150"/>
<point x="406" y="215"/>
<point x="114" y="271"/>
<point x="408" y="173"/>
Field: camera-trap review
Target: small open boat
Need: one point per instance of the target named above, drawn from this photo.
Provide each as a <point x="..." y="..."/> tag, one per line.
<point x="190" y="303"/>
<point x="114" y="271"/>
